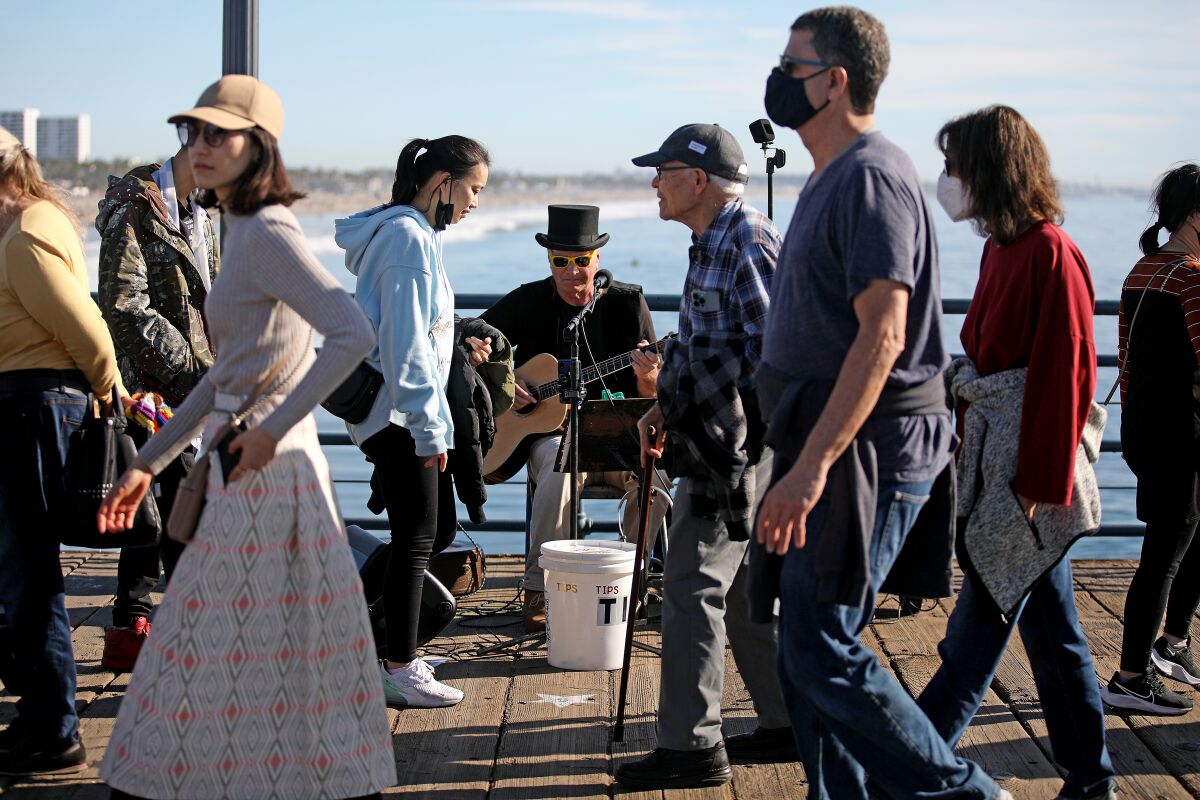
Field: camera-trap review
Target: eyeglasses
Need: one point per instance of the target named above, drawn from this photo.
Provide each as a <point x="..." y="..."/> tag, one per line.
<point x="949" y="165"/>
<point x="213" y="136"/>
<point x="786" y="62"/>
<point x="581" y="261"/>
<point x="659" y="170"/>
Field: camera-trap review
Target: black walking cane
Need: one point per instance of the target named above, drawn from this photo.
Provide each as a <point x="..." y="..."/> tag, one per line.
<point x="636" y="591"/>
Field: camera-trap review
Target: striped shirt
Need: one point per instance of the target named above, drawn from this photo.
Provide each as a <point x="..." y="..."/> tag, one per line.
<point x="1170" y="274"/>
<point x="728" y="281"/>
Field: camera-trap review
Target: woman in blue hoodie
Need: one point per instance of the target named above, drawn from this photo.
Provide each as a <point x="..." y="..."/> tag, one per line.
<point x="395" y="251"/>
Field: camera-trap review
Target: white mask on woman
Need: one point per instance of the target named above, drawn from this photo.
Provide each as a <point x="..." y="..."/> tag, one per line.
<point x="953" y="197"/>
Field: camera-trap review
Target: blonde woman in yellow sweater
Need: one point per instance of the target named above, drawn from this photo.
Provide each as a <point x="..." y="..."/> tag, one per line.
<point x="54" y="349"/>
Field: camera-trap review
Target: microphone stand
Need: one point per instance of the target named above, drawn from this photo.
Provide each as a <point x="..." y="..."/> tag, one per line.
<point x="573" y="392"/>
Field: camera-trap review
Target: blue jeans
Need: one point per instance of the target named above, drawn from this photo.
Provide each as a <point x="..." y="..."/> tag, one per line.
<point x="850" y="716"/>
<point x="976" y="637"/>
<point x="34" y="429"/>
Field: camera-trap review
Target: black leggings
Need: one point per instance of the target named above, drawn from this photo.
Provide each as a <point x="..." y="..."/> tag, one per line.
<point x="137" y="567"/>
<point x="421" y="514"/>
<point x="1168" y="553"/>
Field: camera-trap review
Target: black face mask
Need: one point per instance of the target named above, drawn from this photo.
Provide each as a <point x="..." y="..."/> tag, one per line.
<point x="443" y="213"/>
<point x="786" y="102"/>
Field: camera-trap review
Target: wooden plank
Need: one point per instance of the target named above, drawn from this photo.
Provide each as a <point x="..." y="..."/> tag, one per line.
<point x="737" y="716"/>
<point x="450" y="751"/>
<point x="641" y="722"/>
<point x="1171" y="740"/>
<point x="995" y="740"/>
<point x="548" y="751"/>
<point x="1140" y="773"/>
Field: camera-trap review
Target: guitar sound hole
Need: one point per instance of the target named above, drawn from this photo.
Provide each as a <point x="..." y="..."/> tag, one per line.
<point x="529" y="409"/>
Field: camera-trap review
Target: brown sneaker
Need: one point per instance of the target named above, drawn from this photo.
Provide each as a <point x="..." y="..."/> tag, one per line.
<point x="534" y="611"/>
<point x="122" y="645"/>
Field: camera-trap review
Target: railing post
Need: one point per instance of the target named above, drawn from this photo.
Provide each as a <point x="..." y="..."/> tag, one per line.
<point x="239" y="50"/>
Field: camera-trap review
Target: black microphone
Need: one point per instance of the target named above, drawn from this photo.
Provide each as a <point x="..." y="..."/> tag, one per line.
<point x="602" y="280"/>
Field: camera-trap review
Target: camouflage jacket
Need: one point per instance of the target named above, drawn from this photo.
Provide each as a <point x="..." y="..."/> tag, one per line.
<point x="149" y="290"/>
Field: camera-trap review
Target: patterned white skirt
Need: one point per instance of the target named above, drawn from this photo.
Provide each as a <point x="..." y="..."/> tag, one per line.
<point x="260" y="679"/>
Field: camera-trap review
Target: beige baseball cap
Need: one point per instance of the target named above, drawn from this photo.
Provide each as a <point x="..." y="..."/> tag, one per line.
<point x="236" y="103"/>
<point x="8" y="141"/>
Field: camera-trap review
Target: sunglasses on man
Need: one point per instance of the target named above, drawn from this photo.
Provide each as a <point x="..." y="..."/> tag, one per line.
<point x="213" y="136"/>
<point x="583" y="261"/>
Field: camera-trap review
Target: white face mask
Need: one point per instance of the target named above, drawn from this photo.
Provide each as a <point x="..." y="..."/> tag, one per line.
<point x="953" y="197"/>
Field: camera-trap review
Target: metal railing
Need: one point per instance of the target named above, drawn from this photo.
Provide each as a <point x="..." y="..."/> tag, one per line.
<point x="670" y="303"/>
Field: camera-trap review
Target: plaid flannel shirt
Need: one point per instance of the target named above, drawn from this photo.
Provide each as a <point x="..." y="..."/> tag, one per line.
<point x="729" y="277"/>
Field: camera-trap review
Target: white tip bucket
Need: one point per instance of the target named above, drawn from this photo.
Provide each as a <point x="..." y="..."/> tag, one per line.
<point x="587" y="602"/>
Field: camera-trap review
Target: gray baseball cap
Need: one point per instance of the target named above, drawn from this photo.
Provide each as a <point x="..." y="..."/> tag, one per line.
<point x="708" y="147"/>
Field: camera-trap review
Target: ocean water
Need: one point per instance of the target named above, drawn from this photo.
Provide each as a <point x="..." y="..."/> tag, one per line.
<point x="494" y="250"/>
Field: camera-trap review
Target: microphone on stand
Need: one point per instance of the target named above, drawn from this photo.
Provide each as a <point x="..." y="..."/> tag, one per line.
<point x="602" y="280"/>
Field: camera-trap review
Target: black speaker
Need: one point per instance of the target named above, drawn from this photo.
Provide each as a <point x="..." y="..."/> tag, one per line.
<point x="437" y="604"/>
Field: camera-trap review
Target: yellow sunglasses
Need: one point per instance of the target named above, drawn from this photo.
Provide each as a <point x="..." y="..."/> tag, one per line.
<point x="581" y="261"/>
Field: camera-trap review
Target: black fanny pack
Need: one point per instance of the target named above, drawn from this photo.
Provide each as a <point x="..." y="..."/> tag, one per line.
<point x="354" y="398"/>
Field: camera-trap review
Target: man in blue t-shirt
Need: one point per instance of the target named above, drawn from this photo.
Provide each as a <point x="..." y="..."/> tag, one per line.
<point x="851" y="389"/>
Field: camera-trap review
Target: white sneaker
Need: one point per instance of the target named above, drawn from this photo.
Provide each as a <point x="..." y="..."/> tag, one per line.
<point x="414" y="686"/>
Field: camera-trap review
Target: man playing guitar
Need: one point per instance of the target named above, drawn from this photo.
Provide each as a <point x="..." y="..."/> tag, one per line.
<point x="532" y="317"/>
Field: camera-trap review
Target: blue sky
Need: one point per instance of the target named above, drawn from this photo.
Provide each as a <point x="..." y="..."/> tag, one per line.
<point x="583" y="85"/>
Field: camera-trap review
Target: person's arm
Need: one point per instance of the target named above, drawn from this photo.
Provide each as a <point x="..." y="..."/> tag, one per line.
<point x="42" y="279"/>
<point x="645" y="364"/>
<point x="406" y="354"/>
<point x="156" y="346"/>
<point x="1060" y="380"/>
<point x="882" y="312"/>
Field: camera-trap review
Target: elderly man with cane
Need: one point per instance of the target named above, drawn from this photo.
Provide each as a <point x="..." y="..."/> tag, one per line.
<point x="706" y="403"/>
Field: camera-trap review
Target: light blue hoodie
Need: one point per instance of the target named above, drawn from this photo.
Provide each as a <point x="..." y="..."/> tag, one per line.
<point x="403" y="289"/>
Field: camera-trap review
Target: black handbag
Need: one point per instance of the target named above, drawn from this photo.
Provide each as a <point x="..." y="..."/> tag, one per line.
<point x="97" y="456"/>
<point x="353" y="399"/>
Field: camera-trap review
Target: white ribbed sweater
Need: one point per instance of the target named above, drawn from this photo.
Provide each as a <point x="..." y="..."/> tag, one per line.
<point x="271" y="293"/>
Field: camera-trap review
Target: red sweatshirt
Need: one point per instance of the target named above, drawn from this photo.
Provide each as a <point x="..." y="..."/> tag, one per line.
<point x="1033" y="308"/>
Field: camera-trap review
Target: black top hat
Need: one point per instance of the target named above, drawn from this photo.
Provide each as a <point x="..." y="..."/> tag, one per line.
<point x="572" y="228"/>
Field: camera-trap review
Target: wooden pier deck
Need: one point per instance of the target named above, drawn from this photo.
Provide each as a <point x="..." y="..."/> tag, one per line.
<point x="509" y="740"/>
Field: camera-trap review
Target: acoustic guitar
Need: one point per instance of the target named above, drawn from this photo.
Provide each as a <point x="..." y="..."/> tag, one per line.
<point x="515" y="429"/>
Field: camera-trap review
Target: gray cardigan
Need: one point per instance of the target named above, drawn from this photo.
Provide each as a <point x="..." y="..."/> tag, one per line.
<point x="999" y="547"/>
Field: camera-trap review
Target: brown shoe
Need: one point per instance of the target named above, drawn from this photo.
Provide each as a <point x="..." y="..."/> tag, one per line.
<point x="533" y="612"/>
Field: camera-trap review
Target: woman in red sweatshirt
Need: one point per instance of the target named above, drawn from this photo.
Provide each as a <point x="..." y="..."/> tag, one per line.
<point x="1032" y="310"/>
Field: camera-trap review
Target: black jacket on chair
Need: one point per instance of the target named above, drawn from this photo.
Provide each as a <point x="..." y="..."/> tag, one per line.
<point x="477" y="395"/>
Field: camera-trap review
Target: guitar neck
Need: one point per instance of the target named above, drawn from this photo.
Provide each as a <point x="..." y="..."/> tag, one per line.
<point x="598" y="370"/>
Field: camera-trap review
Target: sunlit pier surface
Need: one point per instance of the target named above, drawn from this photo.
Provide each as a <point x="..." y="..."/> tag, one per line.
<point x="527" y="730"/>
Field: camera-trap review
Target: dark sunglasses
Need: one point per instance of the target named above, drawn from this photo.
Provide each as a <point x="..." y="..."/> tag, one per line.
<point x="190" y="131"/>
<point x="580" y="261"/>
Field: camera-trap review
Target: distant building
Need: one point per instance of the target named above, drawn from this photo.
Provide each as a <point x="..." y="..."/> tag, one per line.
<point x="22" y="124"/>
<point x="64" y="138"/>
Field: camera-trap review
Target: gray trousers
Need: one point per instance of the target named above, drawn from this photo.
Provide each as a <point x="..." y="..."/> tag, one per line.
<point x="704" y="596"/>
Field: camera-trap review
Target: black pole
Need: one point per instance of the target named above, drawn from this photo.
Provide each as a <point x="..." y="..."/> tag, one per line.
<point x="770" y="188"/>
<point x="239" y="42"/>
<point x="635" y="591"/>
<point x="577" y="395"/>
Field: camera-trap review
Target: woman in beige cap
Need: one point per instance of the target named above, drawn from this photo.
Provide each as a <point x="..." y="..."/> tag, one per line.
<point x="260" y="680"/>
<point x="54" y="349"/>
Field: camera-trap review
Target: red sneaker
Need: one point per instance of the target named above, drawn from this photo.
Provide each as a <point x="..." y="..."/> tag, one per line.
<point x="122" y="645"/>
